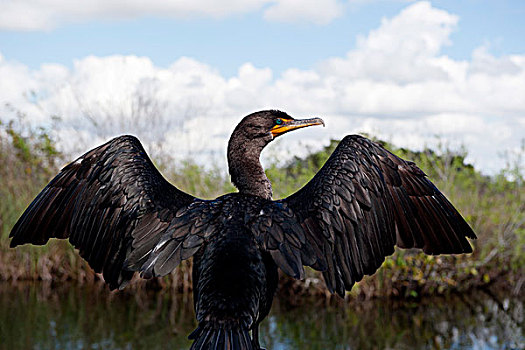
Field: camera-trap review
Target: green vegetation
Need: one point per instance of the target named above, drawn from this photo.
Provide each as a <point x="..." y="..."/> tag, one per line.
<point x="493" y="205"/>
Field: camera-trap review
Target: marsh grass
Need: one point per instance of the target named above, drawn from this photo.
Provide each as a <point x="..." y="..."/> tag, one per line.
<point x="493" y="205"/>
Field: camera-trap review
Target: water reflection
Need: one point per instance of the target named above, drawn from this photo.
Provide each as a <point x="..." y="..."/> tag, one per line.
<point x="476" y="321"/>
<point x="36" y="317"/>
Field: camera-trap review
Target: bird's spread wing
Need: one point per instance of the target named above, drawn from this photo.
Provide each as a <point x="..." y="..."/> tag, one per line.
<point x="348" y="218"/>
<point x="116" y="208"/>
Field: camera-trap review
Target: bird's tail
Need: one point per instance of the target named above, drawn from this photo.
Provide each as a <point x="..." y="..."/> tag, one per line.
<point x="221" y="337"/>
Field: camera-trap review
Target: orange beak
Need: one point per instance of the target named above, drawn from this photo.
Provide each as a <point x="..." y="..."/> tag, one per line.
<point x="292" y="124"/>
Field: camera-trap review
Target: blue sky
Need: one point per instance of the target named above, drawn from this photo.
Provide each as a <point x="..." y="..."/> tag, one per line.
<point x="228" y="42"/>
<point x="416" y="73"/>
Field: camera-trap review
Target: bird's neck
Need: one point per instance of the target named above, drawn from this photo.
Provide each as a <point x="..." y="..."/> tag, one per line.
<point x="246" y="171"/>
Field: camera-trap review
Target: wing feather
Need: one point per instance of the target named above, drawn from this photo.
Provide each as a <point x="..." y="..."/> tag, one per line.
<point x="362" y="203"/>
<point x="110" y="202"/>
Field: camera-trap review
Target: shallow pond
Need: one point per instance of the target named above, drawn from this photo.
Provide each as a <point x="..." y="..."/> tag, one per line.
<point x="69" y="317"/>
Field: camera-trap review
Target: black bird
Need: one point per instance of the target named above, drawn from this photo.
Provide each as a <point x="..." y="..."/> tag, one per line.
<point x="124" y="217"/>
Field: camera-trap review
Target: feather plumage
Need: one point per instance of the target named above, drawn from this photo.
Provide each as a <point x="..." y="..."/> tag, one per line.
<point x="124" y="217"/>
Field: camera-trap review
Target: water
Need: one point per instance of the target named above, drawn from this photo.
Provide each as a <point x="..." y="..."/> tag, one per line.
<point x="38" y="317"/>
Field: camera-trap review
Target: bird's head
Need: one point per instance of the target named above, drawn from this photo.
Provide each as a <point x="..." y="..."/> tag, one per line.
<point x="249" y="138"/>
<point x="260" y="128"/>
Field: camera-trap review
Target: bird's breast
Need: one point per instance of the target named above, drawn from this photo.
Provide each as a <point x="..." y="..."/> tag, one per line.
<point x="232" y="276"/>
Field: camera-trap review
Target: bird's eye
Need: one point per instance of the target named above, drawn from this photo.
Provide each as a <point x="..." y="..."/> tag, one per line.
<point x="278" y="121"/>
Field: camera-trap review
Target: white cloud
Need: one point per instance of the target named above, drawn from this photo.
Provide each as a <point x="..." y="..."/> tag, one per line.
<point x="401" y="50"/>
<point x="395" y="84"/>
<point x="47" y="14"/>
<point x="320" y="12"/>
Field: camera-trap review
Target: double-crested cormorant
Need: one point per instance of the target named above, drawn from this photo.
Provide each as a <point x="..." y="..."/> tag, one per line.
<point x="124" y="217"/>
